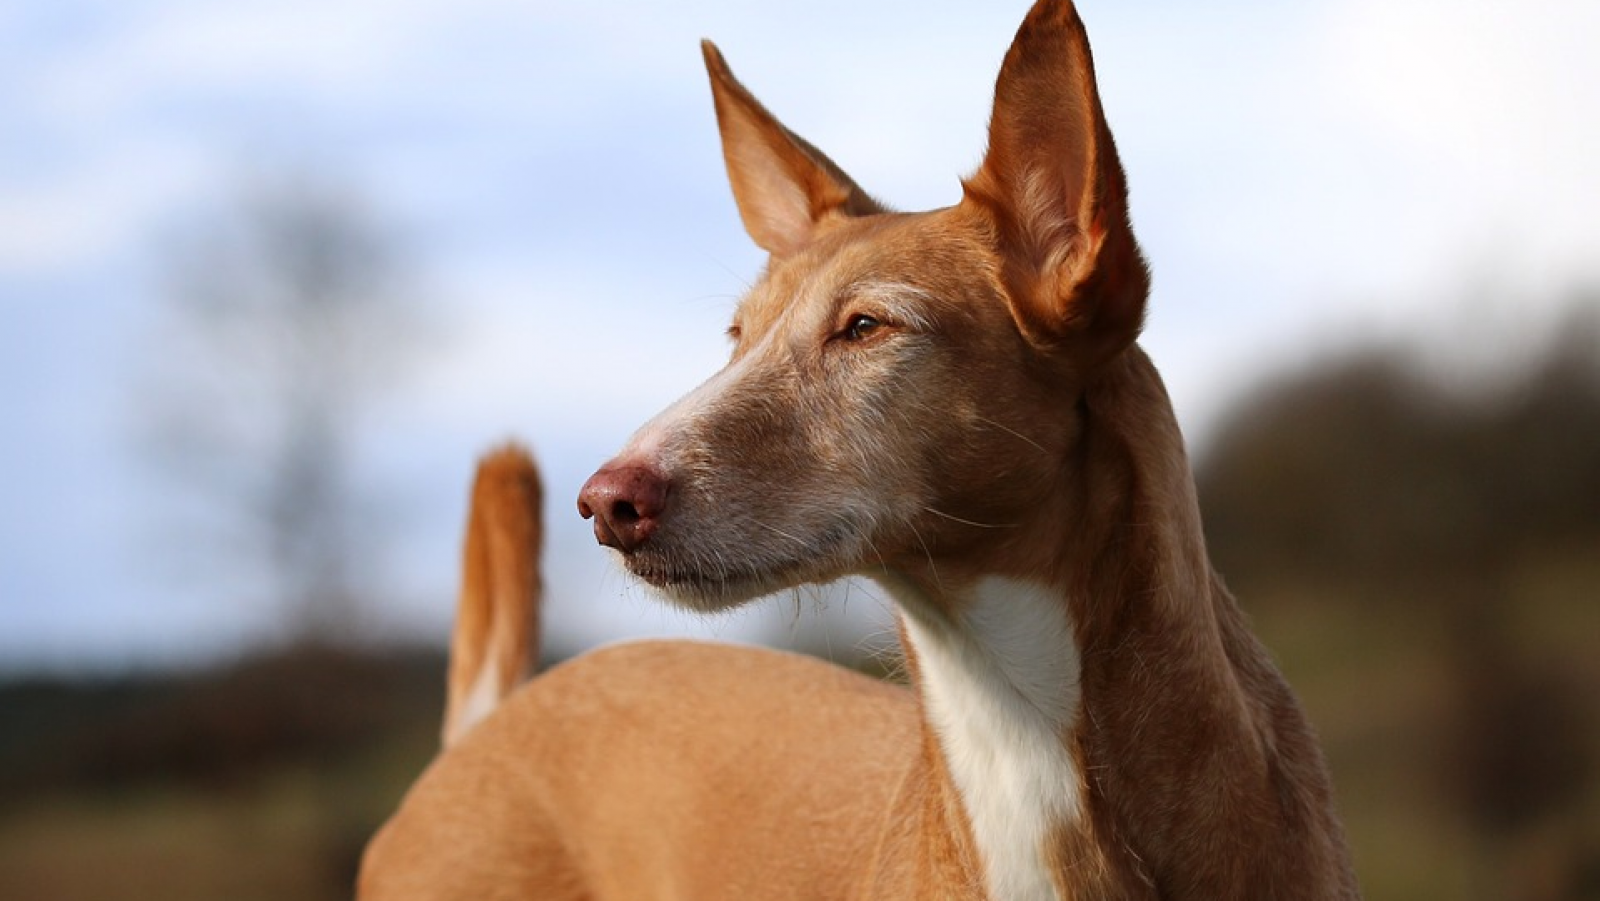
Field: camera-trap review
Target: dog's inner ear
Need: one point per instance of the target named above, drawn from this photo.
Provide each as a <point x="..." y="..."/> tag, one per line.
<point x="1053" y="186"/>
<point x="785" y="188"/>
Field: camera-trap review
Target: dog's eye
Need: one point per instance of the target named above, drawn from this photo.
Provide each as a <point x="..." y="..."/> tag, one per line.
<point x="860" y="327"/>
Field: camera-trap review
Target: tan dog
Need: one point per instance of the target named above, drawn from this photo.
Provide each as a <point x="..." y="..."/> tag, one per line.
<point x="951" y="404"/>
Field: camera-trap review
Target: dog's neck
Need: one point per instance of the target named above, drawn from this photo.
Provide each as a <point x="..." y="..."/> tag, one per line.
<point x="1000" y="690"/>
<point x="1069" y="707"/>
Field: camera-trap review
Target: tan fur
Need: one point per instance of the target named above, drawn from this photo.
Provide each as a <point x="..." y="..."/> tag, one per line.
<point x="952" y="405"/>
<point x="496" y="638"/>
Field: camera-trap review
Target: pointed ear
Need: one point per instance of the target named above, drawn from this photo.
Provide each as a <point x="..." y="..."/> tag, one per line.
<point x="784" y="187"/>
<point x="1053" y="187"/>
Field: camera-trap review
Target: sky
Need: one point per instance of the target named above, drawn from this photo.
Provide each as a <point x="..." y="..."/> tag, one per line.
<point x="1305" y="176"/>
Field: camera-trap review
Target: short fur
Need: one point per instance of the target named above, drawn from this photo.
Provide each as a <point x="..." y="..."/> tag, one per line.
<point x="951" y="404"/>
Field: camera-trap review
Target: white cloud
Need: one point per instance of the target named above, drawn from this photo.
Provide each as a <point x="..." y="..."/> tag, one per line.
<point x="1489" y="110"/>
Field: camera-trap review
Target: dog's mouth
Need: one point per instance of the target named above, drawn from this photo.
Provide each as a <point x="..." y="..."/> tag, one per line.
<point x="706" y="579"/>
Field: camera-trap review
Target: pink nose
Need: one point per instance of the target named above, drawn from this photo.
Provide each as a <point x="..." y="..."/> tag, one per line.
<point x="626" y="502"/>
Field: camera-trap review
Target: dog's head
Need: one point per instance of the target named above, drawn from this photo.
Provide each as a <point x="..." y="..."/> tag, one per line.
<point x="903" y="388"/>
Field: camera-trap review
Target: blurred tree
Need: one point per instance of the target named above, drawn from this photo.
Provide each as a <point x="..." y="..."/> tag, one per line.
<point x="289" y="317"/>
<point x="1368" y="471"/>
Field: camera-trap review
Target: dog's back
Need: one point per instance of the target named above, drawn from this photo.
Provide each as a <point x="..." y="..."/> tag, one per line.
<point x="621" y="743"/>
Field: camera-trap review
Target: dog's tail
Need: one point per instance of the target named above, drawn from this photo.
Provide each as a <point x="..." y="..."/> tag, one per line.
<point x="496" y="640"/>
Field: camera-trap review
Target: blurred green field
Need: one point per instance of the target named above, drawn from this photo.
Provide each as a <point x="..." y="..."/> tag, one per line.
<point x="1387" y="694"/>
<point x="91" y="813"/>
<point x="259" y="781"/>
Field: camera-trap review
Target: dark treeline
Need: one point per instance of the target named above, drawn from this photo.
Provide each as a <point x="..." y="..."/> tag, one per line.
<point x="1368" y="471"/>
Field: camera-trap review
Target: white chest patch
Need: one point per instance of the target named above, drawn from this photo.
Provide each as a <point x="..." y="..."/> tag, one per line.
<point x="1001" y="686"/>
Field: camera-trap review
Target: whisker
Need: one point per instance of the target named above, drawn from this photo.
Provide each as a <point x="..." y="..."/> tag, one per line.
<point x="968" y="522"/>
<point x="774" y="529"/>
<point x="933" y="569"/>
<point x="1032" y="443"/>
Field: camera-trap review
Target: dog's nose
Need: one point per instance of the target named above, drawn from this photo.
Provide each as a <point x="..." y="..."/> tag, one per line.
<point x="626" y="502"/>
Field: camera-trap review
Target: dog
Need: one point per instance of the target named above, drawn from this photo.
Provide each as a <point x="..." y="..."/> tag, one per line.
<point x="953" y="405"/>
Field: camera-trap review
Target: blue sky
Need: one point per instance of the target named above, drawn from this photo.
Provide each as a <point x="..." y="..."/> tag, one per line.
<point x="1304" y="175"/>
